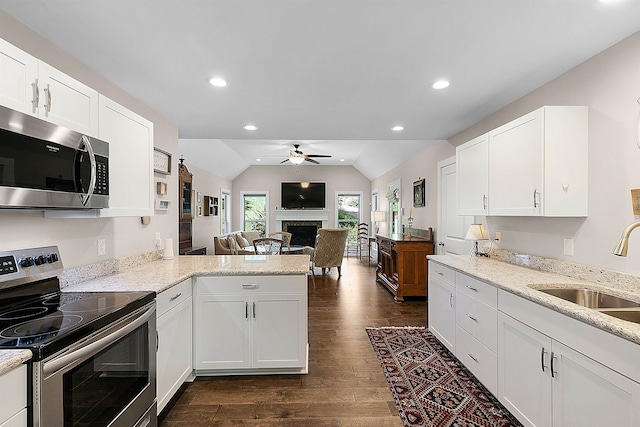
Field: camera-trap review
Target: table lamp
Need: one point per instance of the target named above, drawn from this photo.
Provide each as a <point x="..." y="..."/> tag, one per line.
<point x="477" y="232"/>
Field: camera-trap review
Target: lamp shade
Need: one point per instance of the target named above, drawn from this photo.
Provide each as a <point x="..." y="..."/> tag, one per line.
<point x="296" y="160"/>
<point x="477" y="232"/>
<point x="377" y="216"/>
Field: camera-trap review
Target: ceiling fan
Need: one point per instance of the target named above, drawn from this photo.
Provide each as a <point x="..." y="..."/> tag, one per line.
<point x="296" y="156"/>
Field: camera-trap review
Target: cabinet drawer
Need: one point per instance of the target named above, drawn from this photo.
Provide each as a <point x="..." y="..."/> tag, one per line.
<point x="481" y="361"/>
<point x="13" y="392"/>
<point x="445" y="274"/>
<point x="210" y="285"/>
<point x="484" y="292"/>
<point x="173" y="296"/>
<point x="18" y="420"/>
<point x="478" y="319"/>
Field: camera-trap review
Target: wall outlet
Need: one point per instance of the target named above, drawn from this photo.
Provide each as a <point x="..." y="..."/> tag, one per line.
<point x="568" y="247"/>
<point x="102" y="247"/>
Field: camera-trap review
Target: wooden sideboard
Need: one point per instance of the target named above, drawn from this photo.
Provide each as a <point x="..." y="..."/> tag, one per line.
<point x="402" y="262"/>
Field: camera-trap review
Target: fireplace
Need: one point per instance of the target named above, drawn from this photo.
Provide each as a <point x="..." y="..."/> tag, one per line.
<point x="302" y="232"/>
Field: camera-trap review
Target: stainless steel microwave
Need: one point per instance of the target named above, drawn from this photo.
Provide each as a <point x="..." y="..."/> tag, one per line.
<point x="46" y="166"/>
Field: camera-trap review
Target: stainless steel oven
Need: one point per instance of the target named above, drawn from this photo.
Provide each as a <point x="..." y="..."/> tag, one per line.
<point x="94" y="353"/>
<point x="106" y="379"/>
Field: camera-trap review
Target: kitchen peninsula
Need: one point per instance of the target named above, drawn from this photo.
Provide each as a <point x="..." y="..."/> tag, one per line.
<point x="221" y="314"/>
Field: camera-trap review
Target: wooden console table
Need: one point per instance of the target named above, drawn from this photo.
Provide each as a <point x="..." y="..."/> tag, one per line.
<point x="402" y="262"/>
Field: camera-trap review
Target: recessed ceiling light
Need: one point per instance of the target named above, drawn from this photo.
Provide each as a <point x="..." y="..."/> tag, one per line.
<point x="440" y="84"/>
<point x="250" y="127"/>
<point x="397" y="128"/>
<point x="218" y="82"/>
<point x="258" y="160"/>
<point x="342" y="160"/>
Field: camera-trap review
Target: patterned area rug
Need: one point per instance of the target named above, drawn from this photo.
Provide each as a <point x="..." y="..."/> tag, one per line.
<point x="429" y="385"/>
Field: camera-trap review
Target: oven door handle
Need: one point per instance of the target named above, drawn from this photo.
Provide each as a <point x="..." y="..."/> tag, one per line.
<point x="94" y="347"/>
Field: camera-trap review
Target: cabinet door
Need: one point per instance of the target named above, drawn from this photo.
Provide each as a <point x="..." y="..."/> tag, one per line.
<point x="130" y="139"/>
<point x="524" y="381"/>
<point x="442" y="314"/>
<point x="18" y="420"/>
<point x="18" y="74"/>
<point x="586" y="393"/>
<point x="67" y="102"/>
<point x="472" y="162"/>
<point x="13" y="395"/>
<point x="515" y="166"/>
<point x="174" y="358"/>
<point x="222" y="335"/>
<point x="279" y="330"/>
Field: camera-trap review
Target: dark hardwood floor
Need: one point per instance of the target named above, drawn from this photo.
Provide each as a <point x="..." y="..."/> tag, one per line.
<point x="345" y="386"/>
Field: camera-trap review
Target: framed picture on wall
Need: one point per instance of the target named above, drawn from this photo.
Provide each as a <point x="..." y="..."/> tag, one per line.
<point x="419" y="195"/>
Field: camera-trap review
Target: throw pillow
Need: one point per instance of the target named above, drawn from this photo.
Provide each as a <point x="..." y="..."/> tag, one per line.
<point x="242" y="242"/>
<point x="224" y="242"/>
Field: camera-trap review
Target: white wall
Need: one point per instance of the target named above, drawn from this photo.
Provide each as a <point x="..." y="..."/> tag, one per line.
<point x="609" y="84"/>
<point x="268" y="178"/>
<point x="77" y="238"/>
<point x="423" y="165"/>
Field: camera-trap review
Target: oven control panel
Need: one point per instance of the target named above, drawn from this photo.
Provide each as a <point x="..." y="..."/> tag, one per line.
<point x="8" y="265"/>
<point x="26" y="265"/>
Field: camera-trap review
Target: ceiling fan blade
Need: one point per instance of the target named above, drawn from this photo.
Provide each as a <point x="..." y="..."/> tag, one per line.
<point x="312" y="161"/>
<point x="284" y="161"/>
<point x="318" y="155"/>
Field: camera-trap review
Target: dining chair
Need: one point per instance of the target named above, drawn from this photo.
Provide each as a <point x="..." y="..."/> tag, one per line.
<point x="268" y="246"/>
<point x="282" y="235"/>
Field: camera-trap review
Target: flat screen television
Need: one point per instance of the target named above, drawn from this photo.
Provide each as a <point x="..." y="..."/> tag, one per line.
<point x="295" y="196"/>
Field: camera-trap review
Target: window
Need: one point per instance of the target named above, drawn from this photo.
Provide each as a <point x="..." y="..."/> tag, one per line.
<point x="255" y="209"/>
<point x="349" y="214"/>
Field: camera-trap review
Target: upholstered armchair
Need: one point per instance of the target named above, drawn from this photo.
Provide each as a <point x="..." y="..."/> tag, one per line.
<point x="329" y="249"/>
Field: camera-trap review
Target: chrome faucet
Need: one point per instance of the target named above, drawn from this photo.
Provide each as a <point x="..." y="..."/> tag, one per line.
<point x="623" y="244"/>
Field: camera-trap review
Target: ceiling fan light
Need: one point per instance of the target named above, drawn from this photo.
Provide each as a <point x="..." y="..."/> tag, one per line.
<point x="296" y="160"/>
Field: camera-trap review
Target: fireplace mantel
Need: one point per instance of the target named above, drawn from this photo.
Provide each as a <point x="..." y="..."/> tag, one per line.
<point x="301" y="215"/>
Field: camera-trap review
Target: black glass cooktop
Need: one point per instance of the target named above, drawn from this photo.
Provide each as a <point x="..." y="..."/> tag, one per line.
<point x="51" y="322"/>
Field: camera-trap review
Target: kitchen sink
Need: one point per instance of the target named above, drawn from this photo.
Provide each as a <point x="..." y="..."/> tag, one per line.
<point x="590" y="298"/>
<point x="628" y="315"/>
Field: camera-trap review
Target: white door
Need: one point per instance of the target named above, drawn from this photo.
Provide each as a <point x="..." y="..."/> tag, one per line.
<point x="222" y="335"/>
<point x="441" y="312"/>
<point x="452" y="227"/>
<point x="524" y="379"/>
<point x="18" y="75"/>
<point x="583" y="387"/>
<point x="279" y="330"/>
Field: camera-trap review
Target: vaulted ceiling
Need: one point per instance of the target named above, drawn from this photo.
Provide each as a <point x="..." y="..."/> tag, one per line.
<point x="332" y="75"/>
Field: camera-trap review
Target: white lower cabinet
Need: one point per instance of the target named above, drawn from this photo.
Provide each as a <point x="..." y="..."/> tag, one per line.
<point x="441" y="305"/>
<point x="544" y="382"/>
<point x="174" y="327"/>
<point x="13" y="395"/>
<point x="245" y="323"/>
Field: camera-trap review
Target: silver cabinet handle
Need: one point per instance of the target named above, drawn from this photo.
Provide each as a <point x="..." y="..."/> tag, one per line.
<point x="542" y="365"/>
<point x="254" y="310"/>
<point x="175" y="297"/>
<point x="246" y="310"/>
<point x="472" y="288"/>
<point x="472" y="357"/>
<point x="484" y="201"/>
<point x="35" y="99"/>
<point x="440" y="273"/>
<point x="250" y="286"/>
<point x="553" y="371"/>
<point x="471" y="317"/>
<point x="47" y="102"/>
<point x="535" y="201"/>
<point x="451" y="300"/>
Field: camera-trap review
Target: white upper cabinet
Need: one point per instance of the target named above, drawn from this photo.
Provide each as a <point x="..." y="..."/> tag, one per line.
<point x="67" y="102"/>
<point x="130" y="139"/>
<point x="34" y="87"/>
<point x="472" y="160"/>
<point x="18" y="73"/>
<point x="538" y="164"/>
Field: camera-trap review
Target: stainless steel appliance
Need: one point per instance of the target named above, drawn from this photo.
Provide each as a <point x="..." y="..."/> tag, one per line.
<point x="94" y="354"/>
<point x="47" y="166"/>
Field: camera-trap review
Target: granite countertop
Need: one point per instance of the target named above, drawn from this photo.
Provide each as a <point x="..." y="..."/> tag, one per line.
<point x="11" y="359"/>
<point x="161" y="275"/>
<point x="523" y="282"/>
